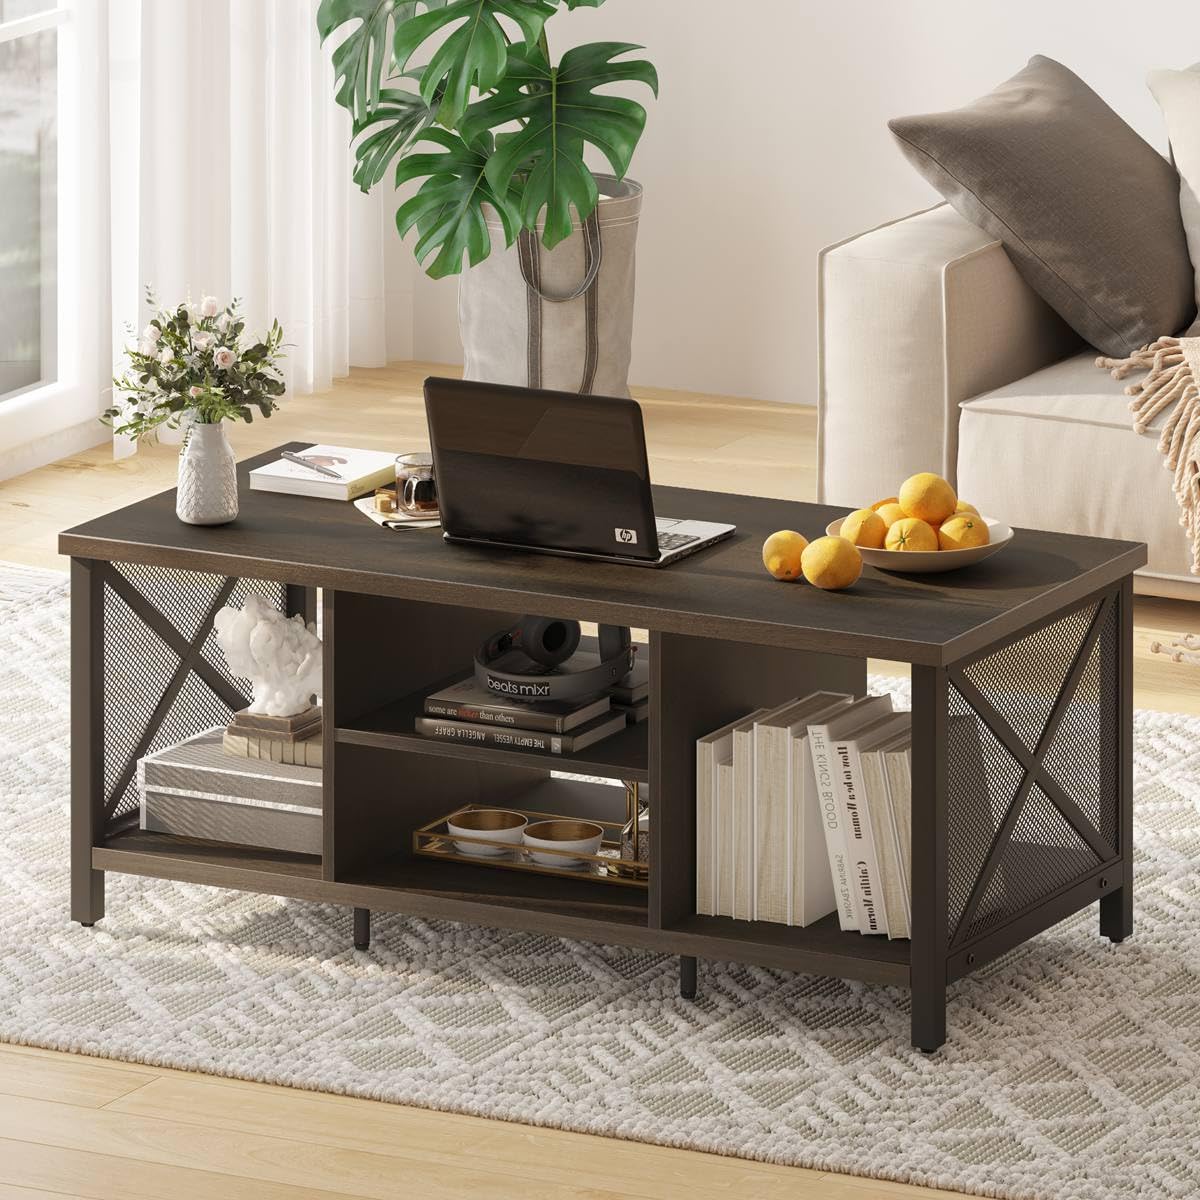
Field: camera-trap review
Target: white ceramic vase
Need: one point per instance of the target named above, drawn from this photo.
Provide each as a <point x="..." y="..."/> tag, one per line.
<point x="208" y="491"/>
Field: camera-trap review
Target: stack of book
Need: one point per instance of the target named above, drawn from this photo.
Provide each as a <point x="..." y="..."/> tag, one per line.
<point x="196" y="789"/>
<point x="806" y="809"/>
<point x="465" y="712"/>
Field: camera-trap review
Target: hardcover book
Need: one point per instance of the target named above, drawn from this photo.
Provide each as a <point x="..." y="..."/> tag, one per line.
<point x="773" y="810"/>
<point x="711" y="751"/>
<point x="884" y="807"/>
<point x="811" y="894"/>
<point x="467" y="701"/>
<point x="506" y="738"/>
<point x="360" y="471"/>
<point x="825" y="775"/>
<point x="862" y="859"/>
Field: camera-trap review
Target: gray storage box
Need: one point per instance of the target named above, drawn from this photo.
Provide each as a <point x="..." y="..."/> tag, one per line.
<point x="197" y="789"/>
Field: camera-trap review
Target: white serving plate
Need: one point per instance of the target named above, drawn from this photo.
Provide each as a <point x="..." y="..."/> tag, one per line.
<point x="928" y="562"/>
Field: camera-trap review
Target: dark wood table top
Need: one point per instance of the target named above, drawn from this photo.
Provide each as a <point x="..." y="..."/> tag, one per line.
<point x="721" y="592"/>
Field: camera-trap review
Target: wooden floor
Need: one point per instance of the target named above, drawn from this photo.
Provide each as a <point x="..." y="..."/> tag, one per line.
<point x="75" y="1126"/>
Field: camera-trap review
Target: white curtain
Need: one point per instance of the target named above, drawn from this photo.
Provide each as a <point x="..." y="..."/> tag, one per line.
<point x="241" y="185"/>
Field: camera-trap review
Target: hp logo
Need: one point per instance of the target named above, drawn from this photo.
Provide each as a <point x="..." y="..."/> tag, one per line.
<point x="627" y="537"/>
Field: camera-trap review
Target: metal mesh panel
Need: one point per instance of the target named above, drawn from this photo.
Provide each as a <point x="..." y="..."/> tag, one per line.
<point x="1023" y="680"/>
<point x="139" y="665"/>
<point x="1043" y="852"/>
<point x="1083" y="764"/>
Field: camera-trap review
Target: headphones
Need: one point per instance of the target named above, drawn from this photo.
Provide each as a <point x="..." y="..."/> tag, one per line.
<point x="547" y="642"/>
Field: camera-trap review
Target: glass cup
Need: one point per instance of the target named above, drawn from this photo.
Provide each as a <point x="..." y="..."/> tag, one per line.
<point x="416" y="491"/>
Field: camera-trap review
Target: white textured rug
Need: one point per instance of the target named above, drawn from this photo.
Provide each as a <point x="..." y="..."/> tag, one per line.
<point x="1072" y="1070"/>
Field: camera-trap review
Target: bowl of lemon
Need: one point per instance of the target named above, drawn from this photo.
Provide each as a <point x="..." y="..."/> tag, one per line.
<point x="923" y="529"/>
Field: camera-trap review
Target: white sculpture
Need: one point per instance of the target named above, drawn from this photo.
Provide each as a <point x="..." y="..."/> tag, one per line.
<point x="281" y="656"/>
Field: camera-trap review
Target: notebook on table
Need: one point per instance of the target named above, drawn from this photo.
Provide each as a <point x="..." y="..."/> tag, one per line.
<point x="360" y="471"/>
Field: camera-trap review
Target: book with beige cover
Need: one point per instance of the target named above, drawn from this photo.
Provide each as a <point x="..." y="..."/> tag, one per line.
<point x="711" y="750"/>
<point x="891" y="884"/>
<point x="777" y="820"/>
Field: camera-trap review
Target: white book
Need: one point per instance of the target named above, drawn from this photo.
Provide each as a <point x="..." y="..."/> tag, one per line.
<point x="810" y="885"/>
<point x="359" y="470"/>
<point x="897" y="764"/>
<point x="820" y="737"/>
<point x="892" y="877"/>
<point x="862" y="859"/>
<point x="724" y="839"/>
<point x="771" y="809"/>
<point x="712" y="749"/>
<point x="743" y="822"/>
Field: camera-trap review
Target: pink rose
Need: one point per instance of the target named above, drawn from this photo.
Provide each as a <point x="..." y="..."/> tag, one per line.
<point x="202" y="340"/>
<point x="209" y="306"/>
<point x="194" y="391"/>
<point x="151" y="333"/>
<point x="223" y="322"/>
<point x="224" y="357"/>
<point x="166" y="355"/>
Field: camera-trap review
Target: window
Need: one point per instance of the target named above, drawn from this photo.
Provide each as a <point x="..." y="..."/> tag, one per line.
<point x="28" y="194"/>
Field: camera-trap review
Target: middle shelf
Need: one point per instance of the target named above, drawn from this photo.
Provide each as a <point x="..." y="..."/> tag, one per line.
<point x="624" y="755"/>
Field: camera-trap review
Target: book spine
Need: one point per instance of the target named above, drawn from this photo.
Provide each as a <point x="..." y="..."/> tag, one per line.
<point x="861" y="859"/>
<point x="484" y="735"/>
<point x="538" y="722"/>
<point x="835" y="838"/>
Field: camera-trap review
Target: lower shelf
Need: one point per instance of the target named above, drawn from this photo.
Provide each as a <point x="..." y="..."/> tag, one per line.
<point x="822" y="948"/>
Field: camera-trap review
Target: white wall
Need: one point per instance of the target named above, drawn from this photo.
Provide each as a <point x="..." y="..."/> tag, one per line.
<point x="770" y="141"/>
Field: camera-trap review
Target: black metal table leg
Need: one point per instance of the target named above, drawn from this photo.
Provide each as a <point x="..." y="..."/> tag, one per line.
<point x="930" y="942"/>
<point x="87" y="738"/>
<point x="1116" y="908"/>
<point x="687" y="977"/>
<point x="362" y="929"/>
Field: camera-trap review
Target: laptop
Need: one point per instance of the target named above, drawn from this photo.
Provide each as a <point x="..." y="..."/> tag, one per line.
<point x="554" y="472"/>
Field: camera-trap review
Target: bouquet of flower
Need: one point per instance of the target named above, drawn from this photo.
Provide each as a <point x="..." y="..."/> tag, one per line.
<point x="190" y="364"/>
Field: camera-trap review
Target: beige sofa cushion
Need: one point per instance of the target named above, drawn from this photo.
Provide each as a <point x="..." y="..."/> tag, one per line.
<point x="1056" y="450"/>
<point x="1178" y="95"/>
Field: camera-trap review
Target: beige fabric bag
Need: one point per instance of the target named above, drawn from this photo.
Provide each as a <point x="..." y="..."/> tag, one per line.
<point x="561" y="318"/>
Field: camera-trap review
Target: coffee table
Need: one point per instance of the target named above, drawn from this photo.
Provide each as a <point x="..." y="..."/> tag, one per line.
<point x="1022" y="721"/>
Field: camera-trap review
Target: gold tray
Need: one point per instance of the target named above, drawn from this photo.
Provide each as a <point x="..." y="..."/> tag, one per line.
<point x="434" y="841"/>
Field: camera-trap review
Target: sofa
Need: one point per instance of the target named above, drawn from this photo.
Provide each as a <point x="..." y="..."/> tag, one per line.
<point x="936" y="355"/>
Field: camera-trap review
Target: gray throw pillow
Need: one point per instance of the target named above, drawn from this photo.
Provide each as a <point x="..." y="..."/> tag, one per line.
<point x="1087" y="210"/>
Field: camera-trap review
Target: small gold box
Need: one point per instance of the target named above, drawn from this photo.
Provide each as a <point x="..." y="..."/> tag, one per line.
<point x="385" y="500"/>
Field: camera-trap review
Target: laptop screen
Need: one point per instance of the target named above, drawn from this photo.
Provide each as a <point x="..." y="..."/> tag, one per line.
<point x="541" y="469"/>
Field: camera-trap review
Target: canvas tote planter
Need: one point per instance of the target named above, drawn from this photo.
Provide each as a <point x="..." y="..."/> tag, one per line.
<point x="562" y="318"/>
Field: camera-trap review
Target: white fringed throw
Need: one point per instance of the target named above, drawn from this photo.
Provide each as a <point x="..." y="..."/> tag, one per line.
<point x="1173" y="383"/>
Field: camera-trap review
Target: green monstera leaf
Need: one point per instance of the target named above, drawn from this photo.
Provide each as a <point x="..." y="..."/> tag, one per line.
<point x="364" y="58"/>
<point x="448" y="207"/>
<point x="391" y="125"/>
<point x="474" y="52"/>
<point x="560" y="111"/>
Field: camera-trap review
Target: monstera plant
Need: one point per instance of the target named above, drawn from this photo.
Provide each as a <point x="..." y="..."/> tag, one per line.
<point x="464" y="95"/>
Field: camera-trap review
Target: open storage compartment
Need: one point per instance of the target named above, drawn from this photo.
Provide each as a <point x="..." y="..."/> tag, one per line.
<point x="384" y="782"/>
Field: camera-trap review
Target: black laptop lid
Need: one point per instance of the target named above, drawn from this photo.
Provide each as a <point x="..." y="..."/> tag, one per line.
<point x="541" y="469"/>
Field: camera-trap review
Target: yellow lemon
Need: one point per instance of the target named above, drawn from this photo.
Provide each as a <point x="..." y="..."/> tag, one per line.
<point x="891" y="513"/>
<point x="911" y="534"/>
<point x="927" y="496"/>
<point x="781" y="553"/>
<point x="963" y="532"/>
<point x="964" y="507"/>
<point x="864" y="528"/>
<point x="880" y="503"/>
<point x="831" y="563"/>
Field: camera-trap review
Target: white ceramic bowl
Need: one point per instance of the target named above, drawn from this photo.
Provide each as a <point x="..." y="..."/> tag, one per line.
<point x="927" y="562"/>
<point x="495" y="824"/>
<point x="562" y="834"/>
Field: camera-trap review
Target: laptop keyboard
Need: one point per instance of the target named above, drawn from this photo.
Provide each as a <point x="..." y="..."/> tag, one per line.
<point x="674" y="541"/>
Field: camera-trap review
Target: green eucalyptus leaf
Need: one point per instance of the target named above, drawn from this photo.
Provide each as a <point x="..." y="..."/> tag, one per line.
<point x="474" y="51"/>
<point x="447" y="209"/>
<point x="364" y="58"/>
<point x="394" y="123"/>
<point x="560" y="112"/>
